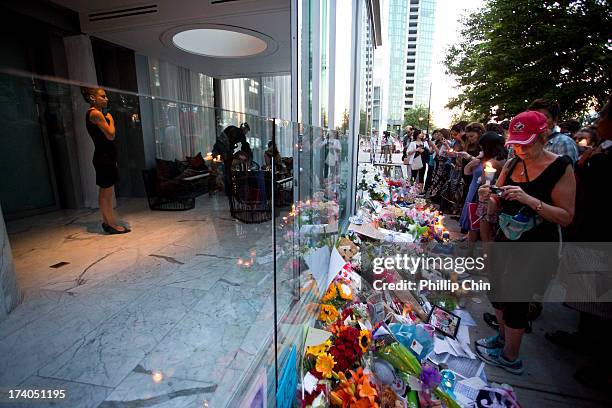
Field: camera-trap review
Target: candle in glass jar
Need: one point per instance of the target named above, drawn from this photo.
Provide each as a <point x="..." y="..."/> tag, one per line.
<point x="489" y="172"/>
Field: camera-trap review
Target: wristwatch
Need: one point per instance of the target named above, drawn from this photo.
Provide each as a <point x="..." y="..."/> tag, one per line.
<point x="539" y="207"/>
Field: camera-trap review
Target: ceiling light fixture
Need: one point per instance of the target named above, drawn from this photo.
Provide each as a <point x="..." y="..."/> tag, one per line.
<point x="219" y="42"/>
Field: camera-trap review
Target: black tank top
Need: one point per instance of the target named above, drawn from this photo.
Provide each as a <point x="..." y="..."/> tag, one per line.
<point x="541" y="188"/>
<point x="104" y="149"/>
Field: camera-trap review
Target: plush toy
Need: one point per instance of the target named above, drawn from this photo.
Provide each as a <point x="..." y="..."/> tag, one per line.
<point x="347" y="249"/>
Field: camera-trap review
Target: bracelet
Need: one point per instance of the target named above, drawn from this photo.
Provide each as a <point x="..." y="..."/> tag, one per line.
<point x="539" y="207"/>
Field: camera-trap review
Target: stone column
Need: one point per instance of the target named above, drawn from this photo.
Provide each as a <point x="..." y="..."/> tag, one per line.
<point x="9" y="293"/>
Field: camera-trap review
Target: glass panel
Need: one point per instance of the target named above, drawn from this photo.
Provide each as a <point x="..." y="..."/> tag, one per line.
<point x="202" y="287"/>
<point x="24" y="145"/>
<point x="187" y="297"/>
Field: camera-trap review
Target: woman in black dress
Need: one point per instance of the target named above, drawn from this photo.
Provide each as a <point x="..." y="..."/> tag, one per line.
<point x="537" y="197"/>
<point x="101" y="129"/>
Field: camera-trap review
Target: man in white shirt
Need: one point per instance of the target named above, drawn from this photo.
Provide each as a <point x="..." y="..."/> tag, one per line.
<point x="373" y="144"/>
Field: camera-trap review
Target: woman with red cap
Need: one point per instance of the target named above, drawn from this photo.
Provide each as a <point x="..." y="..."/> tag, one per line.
<point x="534" y="197"/>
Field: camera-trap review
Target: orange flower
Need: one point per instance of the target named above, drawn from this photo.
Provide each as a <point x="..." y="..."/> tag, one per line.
<point x="328" y="313"/>
<point x="356" y="392"/>
<point x="365" y="339"/>
<point x="325" y="364"/>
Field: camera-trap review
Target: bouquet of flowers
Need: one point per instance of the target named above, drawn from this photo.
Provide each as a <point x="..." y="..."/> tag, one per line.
<point x="373" y="183"/>
<point x="316" y="212"/>
<point x="337" y="362"/>
<point x="433" y="220"/>
<point x="397" y="220"/>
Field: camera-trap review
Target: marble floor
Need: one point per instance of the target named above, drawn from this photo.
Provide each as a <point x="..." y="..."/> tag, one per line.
<point x="164" y="316"/>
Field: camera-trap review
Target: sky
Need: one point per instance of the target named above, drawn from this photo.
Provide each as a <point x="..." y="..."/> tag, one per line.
<point x="448" y="23"/>
<point x="449" y="15"/>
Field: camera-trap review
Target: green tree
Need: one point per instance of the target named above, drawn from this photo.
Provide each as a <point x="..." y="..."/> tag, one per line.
<point x="514" y="51"/>
<point x="468" y="117"/>
<point x="417" y="117"/>
<point x="345" y="122"/>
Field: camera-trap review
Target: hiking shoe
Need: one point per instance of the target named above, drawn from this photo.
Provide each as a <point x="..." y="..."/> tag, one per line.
<point x="492" y="342"/>
<point x="496" y="358"/>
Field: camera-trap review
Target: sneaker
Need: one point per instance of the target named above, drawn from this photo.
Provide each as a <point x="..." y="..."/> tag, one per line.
<point x="491" y="320"/>
<point x="495" y="358"/>
<point x="492" y="342"/>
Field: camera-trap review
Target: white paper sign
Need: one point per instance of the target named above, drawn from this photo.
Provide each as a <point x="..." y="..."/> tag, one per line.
<point x="336" y="263"/>
<point x="318" y="264"/>
<point x="310" y="382"/>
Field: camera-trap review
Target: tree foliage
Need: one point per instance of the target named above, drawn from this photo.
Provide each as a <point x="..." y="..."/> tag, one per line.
<point x="514" y="51"/>
<point x="417" y="117"/>
<point x="468" y="117"/>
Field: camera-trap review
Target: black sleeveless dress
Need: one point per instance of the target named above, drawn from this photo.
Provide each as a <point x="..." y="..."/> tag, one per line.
<point x="522" y="270"/>
<point x="105" y="155"/>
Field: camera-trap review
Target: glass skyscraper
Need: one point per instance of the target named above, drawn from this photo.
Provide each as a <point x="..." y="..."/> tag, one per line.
<point x="397" y="25"/>
<point x="419" y="52"/>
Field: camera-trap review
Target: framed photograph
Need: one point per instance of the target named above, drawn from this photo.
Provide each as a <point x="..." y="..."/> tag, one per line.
<point x="444" y="321"/>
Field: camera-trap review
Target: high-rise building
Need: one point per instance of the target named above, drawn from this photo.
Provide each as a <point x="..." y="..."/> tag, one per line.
<point x="397" y="20"/>
<point x="367" y="69"/>
<point x="376" y="107"/>
<point x="419" y="52"/>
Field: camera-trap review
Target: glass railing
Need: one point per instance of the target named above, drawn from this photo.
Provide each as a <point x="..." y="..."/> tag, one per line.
<point x="210" y="295"/>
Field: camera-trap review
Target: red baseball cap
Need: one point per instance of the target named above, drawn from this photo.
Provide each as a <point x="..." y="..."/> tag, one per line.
<point x="525" y="127"/>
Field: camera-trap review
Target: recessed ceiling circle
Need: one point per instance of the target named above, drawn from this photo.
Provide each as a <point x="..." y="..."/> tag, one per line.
<point x="219" y="41"/>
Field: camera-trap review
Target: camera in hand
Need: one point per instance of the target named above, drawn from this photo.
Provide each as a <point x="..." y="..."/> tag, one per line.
<point x="496" y="190"/>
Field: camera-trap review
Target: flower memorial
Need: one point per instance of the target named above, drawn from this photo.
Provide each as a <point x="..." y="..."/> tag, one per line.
<point x="378" y="346"/>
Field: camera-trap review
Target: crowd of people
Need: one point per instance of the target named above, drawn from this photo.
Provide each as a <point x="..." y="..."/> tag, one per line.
<point x="530" y="179"/>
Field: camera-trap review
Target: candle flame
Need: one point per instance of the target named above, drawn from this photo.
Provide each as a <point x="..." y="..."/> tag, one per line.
<point x="489" y="167"/>
<point x="157" y="377"/>
<point x="583" y="142"/>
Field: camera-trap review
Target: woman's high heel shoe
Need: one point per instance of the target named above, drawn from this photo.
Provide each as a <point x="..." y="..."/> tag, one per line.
<point x="112" y="231"/>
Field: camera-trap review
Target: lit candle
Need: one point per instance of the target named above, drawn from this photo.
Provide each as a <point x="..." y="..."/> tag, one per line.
<point x="489" y="172"/>
<point x="583" y="142"/>
<point x="157" y="377"/>
<point x="208" y="156"/>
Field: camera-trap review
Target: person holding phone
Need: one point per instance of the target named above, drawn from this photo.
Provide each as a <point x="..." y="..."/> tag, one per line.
<point x="414" y="159"/>
<point x="537" y="198"/>
<point x="101" y="129"/>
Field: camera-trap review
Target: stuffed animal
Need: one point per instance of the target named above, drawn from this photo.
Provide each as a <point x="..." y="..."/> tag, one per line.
<point x="347" y="249"/>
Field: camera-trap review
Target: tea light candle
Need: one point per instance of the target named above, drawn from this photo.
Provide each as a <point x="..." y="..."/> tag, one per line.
<point x="489" y="172"/>
<point x="208" y="156"/>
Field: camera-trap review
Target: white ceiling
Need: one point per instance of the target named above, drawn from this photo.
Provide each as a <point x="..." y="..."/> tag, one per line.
<point x="148" y="34"/>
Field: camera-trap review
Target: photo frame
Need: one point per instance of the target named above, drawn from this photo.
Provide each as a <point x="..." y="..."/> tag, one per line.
<point x="444" y="321"/>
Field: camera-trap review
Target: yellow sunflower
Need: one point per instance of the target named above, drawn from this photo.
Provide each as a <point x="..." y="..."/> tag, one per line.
<point x="365" y="339"/>
<point x="345" y="292"/>
<point x="318" y="350"/>
<point x="328" y="313"/>
<point x="325" y="365"/>
<point x="331" y="293"/>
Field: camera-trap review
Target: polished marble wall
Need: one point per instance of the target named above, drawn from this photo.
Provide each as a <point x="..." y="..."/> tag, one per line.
<point x="9" y="293"/>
